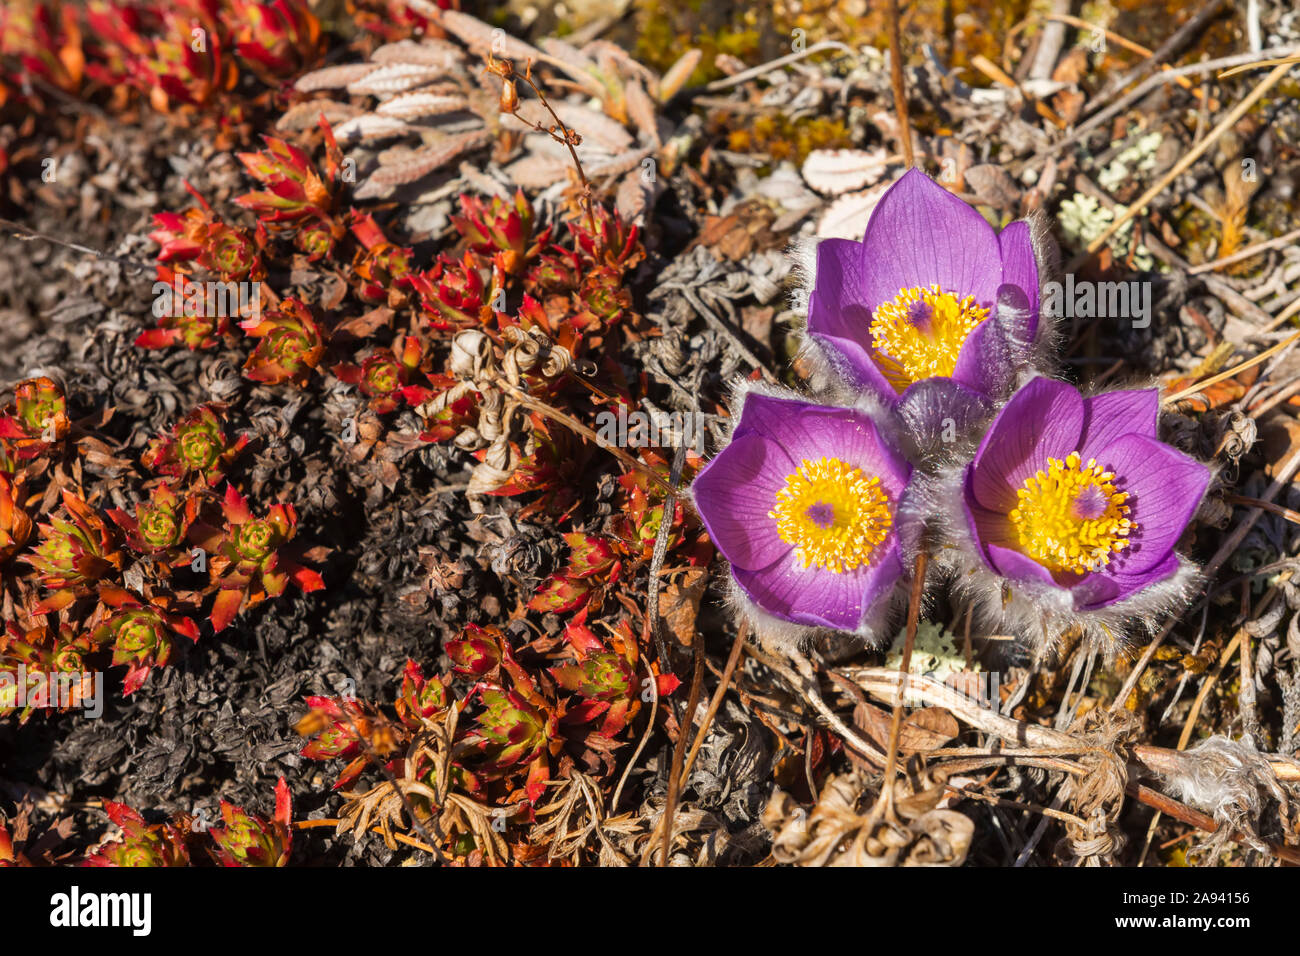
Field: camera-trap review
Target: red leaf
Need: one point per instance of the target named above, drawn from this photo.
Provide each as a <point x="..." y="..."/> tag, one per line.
<point x="667" y="683"/>
<point x="225" y="607"/>
<point x="235" y="506"/>
<point x="307" y="579"/>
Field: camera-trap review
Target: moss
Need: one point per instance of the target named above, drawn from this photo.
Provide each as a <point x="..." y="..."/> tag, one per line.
<point x="957" y="29"/>
<point x="782" y="138"/>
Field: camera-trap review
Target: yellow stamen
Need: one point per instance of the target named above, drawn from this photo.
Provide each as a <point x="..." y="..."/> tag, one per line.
<point x="1070" y="517"/>
<point x="833" y="514"/>
<point x="918" y="333"/>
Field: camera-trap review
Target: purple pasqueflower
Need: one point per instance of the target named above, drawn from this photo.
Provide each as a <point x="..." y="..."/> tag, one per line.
<point x="1078" y="494"/>
<point x="803" y="502"/>
<point x="931" y="292"/>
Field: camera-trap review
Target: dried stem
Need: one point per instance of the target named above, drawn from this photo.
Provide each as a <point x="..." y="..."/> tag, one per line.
<point x="1232" y="372"/>
<point x="570" y="139"/>
<point x="679" y="750"/>
<point x="737" y="646"/>
<point x="899" y="83"/>
<point x="886" y="804"/>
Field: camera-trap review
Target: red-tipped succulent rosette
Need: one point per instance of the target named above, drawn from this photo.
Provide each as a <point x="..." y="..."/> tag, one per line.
<point x="140" y="843"/>
<point x="248" y="840"/>
<point x="196" y="447"/>
<point x="290" y="344"/>
<point x="73" y="553"/>
<point x="1070" y="513"/>
<point x="38" y="419"/>
<point x="252" y="557"/>
<point x="140" y="634"/>
<point x="933" y="311"/>
<point x="804" y="501"/>
<point x="160" y="523"/>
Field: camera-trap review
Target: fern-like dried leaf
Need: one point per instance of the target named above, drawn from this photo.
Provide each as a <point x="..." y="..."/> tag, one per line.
<point x="834" y="172"/>
<point x="428" y="52"/>
<point x="418" y="163"/>
<point x="333" y="77"/>
<point x="371" y="127"/>
<point x="305" y="115"/>
<point x="535" y="171"/>
<point x="396" y="78"/>
<point x="409" y="106"/>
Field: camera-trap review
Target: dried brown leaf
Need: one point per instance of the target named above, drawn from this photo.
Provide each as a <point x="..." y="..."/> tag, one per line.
<point x="993" y="185"/>
<point x="679" y="603"/>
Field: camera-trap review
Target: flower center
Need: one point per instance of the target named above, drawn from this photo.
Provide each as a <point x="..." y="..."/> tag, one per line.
<point x="833" y="514"/>
<point x="918" y="333"/>
<point x="1070" y="517"/>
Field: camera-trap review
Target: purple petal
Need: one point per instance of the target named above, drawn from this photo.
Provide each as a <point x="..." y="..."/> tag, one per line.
<point x="987" y="527"/>
<point x="838" y="316"/>
<point x="1165" y="487"/>
<point x="811" y="432"/>
<point x="1122" y="412"/>
<point x="1044" y="419"/>
<point x="817" y="597"/>
<point x="733" y="494"/>
<point x="1017" y="566"/>
<point x="840" y="285"/>
<point x="988" y="360"/>
<point x="1106" y="587"/>
<point x="920" y="234"/>
<point x="933" y="407"/>
<point x="855" y="360"/>
<point x="1020" y="271"/>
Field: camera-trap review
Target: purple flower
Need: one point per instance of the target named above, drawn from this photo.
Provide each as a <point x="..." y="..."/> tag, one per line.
<point x="1078" y="495"/>
<point x="931" y="292"/>
<point x="804" y="504"/>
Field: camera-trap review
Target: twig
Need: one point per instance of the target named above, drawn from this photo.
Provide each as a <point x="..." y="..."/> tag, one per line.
<point x="527" y="400"/>
<point x="808" y="684"/>
<point x="1248" y="252"/>
<point x="772" y="65"/>
<point x="886" y="803"/>
<point x="1050" y="41"/>
<point x="645" y="738"/>
<point x="26" y="234"/>
<point x="679" y="750"/>
<point x="1232" y="372"/>
<point x="1118" y="40"/>
<point x="1274" y="400"/>
<point x="737" y="646"/>
<point x="1190" y="722"/>
<point x="396" y="835"/>
<point x="657" y="560"/>
<point x="1163" y="52"/>
<point x="510" y="102"/>
<point x="1017" y="805"/>
<point x="1269" y="506"/>
<point x="899" y="83"/>
<point x="709" y="316"/>
<point x="1246" y="60"/>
